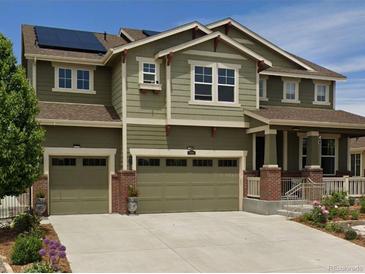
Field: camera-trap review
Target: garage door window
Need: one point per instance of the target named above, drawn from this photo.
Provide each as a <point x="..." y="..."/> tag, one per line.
<point x="203" y="163"/>
<point x="176" y="162"/>
<point x="148" y="162"/>
<point x="93" y="162"/>
<point x="227" y="163"/>
<point x="64" y="161"/>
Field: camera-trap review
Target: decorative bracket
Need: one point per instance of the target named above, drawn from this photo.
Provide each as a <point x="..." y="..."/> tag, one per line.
<point x="227" y="27"/>
<point x="169" y="58"/>
<point x="216" y="41"/>
<point x="124" y="55"/>
<point x="261" y="66"/>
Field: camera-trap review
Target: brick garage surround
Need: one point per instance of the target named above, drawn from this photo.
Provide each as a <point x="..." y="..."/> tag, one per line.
<point x="120" y="182"/>
<point x="270" y="183"/>
<point x="41" y="185"/>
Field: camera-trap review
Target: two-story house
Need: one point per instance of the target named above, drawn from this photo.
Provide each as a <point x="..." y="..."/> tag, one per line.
<point x="186" y="114"/>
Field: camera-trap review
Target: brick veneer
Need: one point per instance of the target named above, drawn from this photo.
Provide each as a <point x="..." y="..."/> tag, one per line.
<point x="41" y="185"/>
<point x="270" y="183"/>
<point x="120" y="182"/>
<point x="245" y="181"/>
<point x="315" y="174"/>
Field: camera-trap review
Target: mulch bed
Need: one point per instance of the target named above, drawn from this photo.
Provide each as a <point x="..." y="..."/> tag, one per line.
<point x="7" y="239"/>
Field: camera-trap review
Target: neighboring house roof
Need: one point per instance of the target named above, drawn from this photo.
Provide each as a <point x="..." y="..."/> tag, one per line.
<point x="133" y="34"/>
<point x="208" y="37"/>
<point x="31" y="47"/>
<point x="52" y="113"/>
<point x="296" y="116"/>
<point x="358" y="143"/>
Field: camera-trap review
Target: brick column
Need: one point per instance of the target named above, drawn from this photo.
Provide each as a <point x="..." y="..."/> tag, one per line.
<point x="315" y="174"/>
<point x="270" y="183"/>
<point x="41" y="185"/>
<point x="120" y="182"/>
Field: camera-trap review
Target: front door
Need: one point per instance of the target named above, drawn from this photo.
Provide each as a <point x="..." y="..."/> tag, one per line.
<point x="260" y="151"/>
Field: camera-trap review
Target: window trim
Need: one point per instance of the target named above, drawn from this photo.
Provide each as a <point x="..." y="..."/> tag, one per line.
<point x="215" y="66"/>
<point x="296" y="83"/>
<point x="157" y="63"/>
<point x="74" y="69"/>
<point x="264" y="79"/>
<point x="361" y="169"/>
<point x="327" y="95"/>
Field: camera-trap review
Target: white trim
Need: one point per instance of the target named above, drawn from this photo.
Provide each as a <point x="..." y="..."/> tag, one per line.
<point x="258" y="38"/>
<point x="126" y="34"/>
<point x="285" y="150"/>
<point x="75" y="91"/>
<point x="208" y="37"/>
<point x="313" y="167"/>
<point x="361" y="169"/>
<point x="73" y="60"/>
<point x="334" y="94"/>
<point x="264" y="81"/>
<point x="124" y="115"/>
<point x="161" y="35"/>
<point x="168" y="90"/>
<point x="239" y="154"/>
<point x="68" y="151"/>
<point x="257" y="129"/>
<point x="254" y="151"/>
<point x="216" y="104"/>
<point x="78" y="123"/>
<point x="34" y="75"/>
<point x="145" y="60"/>
<point x="327" y="93"/>
<point x="349" y="154"/>
<point x="312" y="133"/>
<point x="301" y="75"/>
<point x="146" y="121"/>
<point x="146" y="86"/>
<point x="269" y="131"/>
<point x="214" y="54"/>
<point x="257" y="86"/>
<point x="296" y="85"/>
<point x="270" y="166"/>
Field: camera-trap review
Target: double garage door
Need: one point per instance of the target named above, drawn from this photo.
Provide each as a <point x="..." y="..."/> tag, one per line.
<point x="78" y="185"/>
<point x="187" y="184"/>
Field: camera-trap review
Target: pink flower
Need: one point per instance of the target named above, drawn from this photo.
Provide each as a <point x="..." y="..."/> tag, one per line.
<point x="325" y="212"/>
<point x="316" y="203"/>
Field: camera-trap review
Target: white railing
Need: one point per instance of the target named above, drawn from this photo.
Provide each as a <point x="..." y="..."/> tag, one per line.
<point x="354" y="186"/>
<point x="253" y="187"/>
<point x="10" y="206"/>
<point x="287" y="183"/>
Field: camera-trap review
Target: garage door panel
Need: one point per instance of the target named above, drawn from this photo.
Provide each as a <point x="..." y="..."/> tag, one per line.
<point x="150" y="191"/>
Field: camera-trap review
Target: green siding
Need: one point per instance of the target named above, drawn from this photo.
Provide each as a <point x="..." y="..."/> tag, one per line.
<point x="275" y="87"/>
<point x="85" y="137"/>
<point x="277" y="59"/>
<point x="144" y="136"/>
<point x="45" y="83"/>
<point x="293" y="151"/>
<point x="117" y="87"/>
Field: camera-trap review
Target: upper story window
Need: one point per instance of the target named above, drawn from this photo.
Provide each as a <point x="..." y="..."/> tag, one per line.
<point x="263" y="88"/>
<point x="149" y="73"/>
<point x="321" y="93"/>
<point x="214" y="83"/>
<point x="290" y="91"/>
<point x="73" y="79"/>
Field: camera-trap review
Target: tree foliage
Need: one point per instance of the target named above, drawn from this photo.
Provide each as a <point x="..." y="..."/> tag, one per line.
<point x="20" y="135"/>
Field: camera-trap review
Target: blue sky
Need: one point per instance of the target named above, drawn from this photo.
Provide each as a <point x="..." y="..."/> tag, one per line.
<point x="330" y="33"/>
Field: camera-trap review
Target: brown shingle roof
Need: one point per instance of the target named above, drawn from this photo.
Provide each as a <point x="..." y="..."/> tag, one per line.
<point x="358" y="142"/>
<point x="31" y="47"/>
<point x="81" y="112"/>
<point x="136" y="34"/>
<point x="310" y="115"/>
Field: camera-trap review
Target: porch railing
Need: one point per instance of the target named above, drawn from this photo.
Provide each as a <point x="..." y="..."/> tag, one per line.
<point x="354" y="186"/>
<point x="10" y="206"/>
<point x="288" y="183"/>
<point x="253" y="190"/>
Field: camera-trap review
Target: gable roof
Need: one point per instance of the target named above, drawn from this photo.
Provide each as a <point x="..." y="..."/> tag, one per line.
<point x="358" y="143"/>
<point x="208" y="37"/>
<point x="258" y="38"/>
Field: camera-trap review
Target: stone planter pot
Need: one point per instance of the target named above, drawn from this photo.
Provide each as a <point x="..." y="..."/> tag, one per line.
<point x="132" y="205"/>
<point x="40" y="206"/>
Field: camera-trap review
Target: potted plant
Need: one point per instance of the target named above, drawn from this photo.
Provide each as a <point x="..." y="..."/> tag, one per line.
<point x="132" y="199"/>
<point x="40" y="204"/>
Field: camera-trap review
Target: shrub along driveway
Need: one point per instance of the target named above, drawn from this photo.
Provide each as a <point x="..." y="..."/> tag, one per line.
<point x="201" y="242"/>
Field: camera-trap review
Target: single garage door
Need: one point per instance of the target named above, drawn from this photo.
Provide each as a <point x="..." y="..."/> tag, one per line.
<point x="78" y="185"/>
<point x="186" y="184"/>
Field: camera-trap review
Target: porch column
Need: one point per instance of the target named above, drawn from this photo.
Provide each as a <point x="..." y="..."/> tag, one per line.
<point x="313" y="168"/>
<point x="344" y="156"/>
<point x="270" y="173"/>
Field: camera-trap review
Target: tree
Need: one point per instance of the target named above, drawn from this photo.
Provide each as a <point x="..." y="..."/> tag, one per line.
<point x="20" y="135"/>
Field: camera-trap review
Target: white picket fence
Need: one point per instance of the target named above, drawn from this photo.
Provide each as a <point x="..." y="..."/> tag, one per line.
<point x="354" y="186"/>
<point x="10" y="206"/>
<point x="253" y="187"/>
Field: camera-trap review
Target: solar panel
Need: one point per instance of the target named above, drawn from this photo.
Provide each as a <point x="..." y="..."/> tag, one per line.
<point x="68" y="39"/>
<point x="150" y="32"/>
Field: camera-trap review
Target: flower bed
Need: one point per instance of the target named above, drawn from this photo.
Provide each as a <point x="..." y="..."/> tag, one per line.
<point x="337" y="214"/>
<point x="8" y="238"/>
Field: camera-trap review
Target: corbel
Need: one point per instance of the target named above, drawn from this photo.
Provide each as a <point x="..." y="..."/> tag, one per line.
<point x="216" y="41"/>
<point x="124" y="55"/>
<point x="227" y="27"/>
<point x="169" y="58"/>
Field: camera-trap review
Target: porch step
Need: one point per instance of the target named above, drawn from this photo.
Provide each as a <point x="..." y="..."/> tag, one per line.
<point x="289" y="213"/>
<point x="302" y="208"/>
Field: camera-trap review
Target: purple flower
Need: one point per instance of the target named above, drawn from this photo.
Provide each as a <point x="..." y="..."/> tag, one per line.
<point x="52" y="252"/>
<point x="52" y="246"/>
<point x="46" y="241"/>
<point x="53" y="259"/>
<point x="56" y="244"/>
<point x="52" y="242"/>
<point x="62" y="254"/>
<point x="42" y="252"/>
<point x="62" y="248"/>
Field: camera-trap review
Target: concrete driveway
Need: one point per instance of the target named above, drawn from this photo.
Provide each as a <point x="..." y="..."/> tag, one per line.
<point x="201" y="242"/>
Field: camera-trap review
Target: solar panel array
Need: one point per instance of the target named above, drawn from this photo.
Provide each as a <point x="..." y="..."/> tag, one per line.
<point x="68" y="39"/>
<point x="150" y="32"/>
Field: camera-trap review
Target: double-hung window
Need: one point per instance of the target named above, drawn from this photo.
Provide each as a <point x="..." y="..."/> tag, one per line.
<point x="356" y="164"/>
<point x="290" y="91"/>
<point x="214" y="83"/>
<point x="149" y="73"/>
<point x="321" y="93"/>
<point x="73" y="79"/>
<point x="328" y="156"/>
<point x="263" y="88"/>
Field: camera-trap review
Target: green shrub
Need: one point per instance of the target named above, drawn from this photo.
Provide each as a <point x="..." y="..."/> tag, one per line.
<point x="26" y="249"/>
<point x="362" y="204"/>
<point x="25" y="222"/>
<point x="350" y="234"/>
<point x="351" y="201"/>
<point x="337" y="198"/>
<point x="333" y="212"/>
<point x="40" y="268"/>
<point x="318" y="216"/>
<point x="343" y="212"/>
<point x="355" y="215"/>
<point x="333" y="227"/>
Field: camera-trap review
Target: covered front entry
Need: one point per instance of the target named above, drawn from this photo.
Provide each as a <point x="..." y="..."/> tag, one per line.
<point x="187" y="184"/>
<point x="78" y="185"/>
